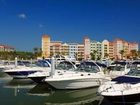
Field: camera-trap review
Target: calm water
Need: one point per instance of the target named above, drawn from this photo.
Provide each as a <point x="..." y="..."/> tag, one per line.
<point x="25" y="92"/>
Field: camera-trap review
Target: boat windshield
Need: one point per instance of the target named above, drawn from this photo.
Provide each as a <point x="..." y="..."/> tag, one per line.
<point x="42" y="63"/>
<point x="88" y="67"/>
<point x="135" y="69"/>
<point x="134" y="72"/>
<point x="118" y="63"/>
<point x="117" y="68"/>
<point x="66" y="65"/>
<point x="135" y="65"/>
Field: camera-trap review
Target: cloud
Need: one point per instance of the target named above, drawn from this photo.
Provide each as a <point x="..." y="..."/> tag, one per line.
<point x="41" y="25"/>
<point x="22" y="16"/>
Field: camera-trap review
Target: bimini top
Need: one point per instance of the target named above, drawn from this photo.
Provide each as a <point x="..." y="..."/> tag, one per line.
<point x="89" y="66"/>
<point x="119" y="63"/>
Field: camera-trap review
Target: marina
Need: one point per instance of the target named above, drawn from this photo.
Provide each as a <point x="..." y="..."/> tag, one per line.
<point x="66" y="84"/>
<point x="28" y="93"/>
<point x="69" y="52"/>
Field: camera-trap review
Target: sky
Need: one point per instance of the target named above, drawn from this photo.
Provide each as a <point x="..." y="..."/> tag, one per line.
<point x="23" y="22"/>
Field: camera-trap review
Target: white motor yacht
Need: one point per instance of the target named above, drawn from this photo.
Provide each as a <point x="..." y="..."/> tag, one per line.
<point x="24" y="71"/>
<point x="118" y="68"/>
<point x="63" y="66"/>
<point x="87" y="75"/>
<point x="123" y="88"/>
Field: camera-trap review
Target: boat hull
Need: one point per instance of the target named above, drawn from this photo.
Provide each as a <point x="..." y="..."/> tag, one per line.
<point x="74" y="83"/>
<point x="20" y="74"/>
<point x="124" y="98"/>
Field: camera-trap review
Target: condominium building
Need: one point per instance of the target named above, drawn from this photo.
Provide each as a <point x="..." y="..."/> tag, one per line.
<point x="52" y="48"/>
<point x="86" y="48"/>
<point x="117" y="49"/>
<point x="122" y="48"/>
<point x="55" y="48"/>
<point x="111" y="50"/>
<point x="133" y="46"/>
<point x="73" y="49"/>
<point x="80" y="54"/>
<point x="118" y="46"/>
<point x="105" y="49"/>
<point x="96" y="48"/>
<point x="6" y="48"/>
<point x="65" y="49"/>
<point x="45" y="46"/>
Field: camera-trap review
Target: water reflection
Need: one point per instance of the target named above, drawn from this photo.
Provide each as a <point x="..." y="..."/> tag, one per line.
<point x="19" y="85"/>
<point x="26" y="92"/>
<point x="109" y="102"/>
<point x="65" y="97"/>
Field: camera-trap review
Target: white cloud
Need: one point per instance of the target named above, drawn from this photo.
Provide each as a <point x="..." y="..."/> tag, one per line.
<point x="41" y="25"/>
<point x="22" y="16"/>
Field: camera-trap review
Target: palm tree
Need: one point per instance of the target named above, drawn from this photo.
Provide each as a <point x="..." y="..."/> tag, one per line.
<point x="106" y="55"/>
<point x="139" y="54"/>
<point x="95" y="52"/>
<point x="94" y="55"/>
<point x="76" y="55"/>
<point x="122" y="53"/>
<point x="80" y="56"/>
<point x="134" y="54"/>
<point x="37" y="52"/>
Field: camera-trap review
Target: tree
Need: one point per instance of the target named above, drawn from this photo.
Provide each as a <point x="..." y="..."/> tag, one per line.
<point x="37" y="52"/>
<point x="106" y="55"/>
<point x="76" y="55"/>
<point x="122" y="53"/>
<point x="5" y="55"/>
<point x="134" y="54"/>
<point x="94" y="55"/>
<point x="80" y="56"/>
<point x="139" y="54"/>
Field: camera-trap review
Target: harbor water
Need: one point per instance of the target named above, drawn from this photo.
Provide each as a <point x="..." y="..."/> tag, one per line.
<point x="26" y="92"/>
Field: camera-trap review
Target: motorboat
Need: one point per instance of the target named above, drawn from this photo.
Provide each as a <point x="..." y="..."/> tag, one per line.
<point x="63" y="66"/>
<point x="118" y="68"/>
<point x="24" y="71"/>
<point x="10" y="64"/>
<point x="88" y="74"/>
<point x="124" y="88"/>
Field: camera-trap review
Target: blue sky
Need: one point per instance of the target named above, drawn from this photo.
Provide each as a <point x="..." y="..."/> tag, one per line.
<point x="23" y="22"/>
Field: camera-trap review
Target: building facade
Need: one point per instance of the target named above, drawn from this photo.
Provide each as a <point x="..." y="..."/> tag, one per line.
<point x="96" y="49"/>
<point x="45" y="46"/>
<point x="117" y="49"/>
<point x="55" y="48"/>
<point x="86" y="48"/>
<point x="105" y="49"/>
<point x="6" y="48"/>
